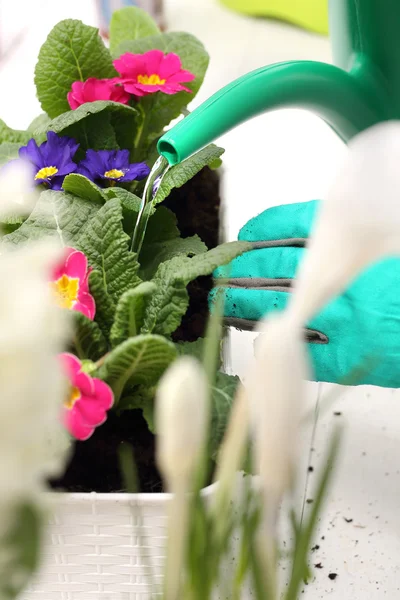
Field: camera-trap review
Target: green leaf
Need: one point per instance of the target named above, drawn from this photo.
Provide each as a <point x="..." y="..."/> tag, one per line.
<point x="105" y="307"/>
<point x="222" y="395"/>
<point x="20" y="547"/>
<point x="170" y="301"/>
<point x="162" y="242"/>
<point x="8" y="151"/>
<point x="180" y="174"/>
<point x="130" y="23"/>
<point x="140" y="360"/>
<point x="83" y="188"/>
<point x="128" y="200"/>
<point x="143" y="399"/>
<point x="56" y="214"/>
<point x="39" y="123"/>
<point x="96" y="124"/>
<point x="72" y="52"/>
<point x="152" y="256"/>
<point x="11" y="223"/>
<point x="39" y="127"/>
<point x="107" y="247"/>
<point x="162" y="225"/>
<point x="160" y="109"/>
<point x="130" y="312"/>
<point x="15" y="136"/>
<point x="89" y="340"/>
<point x="130" y="206"/>
<point x="194" y="349"/>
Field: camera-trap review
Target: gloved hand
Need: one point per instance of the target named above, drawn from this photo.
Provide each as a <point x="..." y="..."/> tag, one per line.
<point x="357" y="334"/>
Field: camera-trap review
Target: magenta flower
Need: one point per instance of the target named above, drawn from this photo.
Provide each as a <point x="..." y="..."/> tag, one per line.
<point x="154" y="71"/>
<point x="96" y="89"/>
<point x="87" y="402"/>
<point x="69" y="283"/>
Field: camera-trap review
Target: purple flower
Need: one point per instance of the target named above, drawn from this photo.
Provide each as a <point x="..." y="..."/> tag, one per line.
<point x="112" y="166"/>
<point x="50" y="161"/>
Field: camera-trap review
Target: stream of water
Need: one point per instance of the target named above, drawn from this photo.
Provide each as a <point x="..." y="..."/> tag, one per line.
<point x="153" y="182"/>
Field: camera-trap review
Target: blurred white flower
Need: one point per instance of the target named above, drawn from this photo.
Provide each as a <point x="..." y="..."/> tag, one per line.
<point x="182" y="418"/>
<point x="17" y="195"/>
<point x="358" y="222"/>
<point x="32" y="332"/>
<point x="276" y="392"/>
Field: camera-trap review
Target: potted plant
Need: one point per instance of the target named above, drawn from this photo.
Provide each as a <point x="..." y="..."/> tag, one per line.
<point x="89" y="154"/>
<point x="262" y="430"/>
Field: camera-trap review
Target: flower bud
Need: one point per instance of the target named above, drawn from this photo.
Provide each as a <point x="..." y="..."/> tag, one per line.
<point x="182" y="415"/>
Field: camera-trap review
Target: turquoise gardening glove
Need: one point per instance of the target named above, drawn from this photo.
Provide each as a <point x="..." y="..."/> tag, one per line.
<point x="356" y="338"/>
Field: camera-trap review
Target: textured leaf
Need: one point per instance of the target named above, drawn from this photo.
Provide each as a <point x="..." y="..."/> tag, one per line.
<point x="161" y="109"/>
<point x="180" y="174"/>
<point x="107" y="247"/>
<point x="11" y="223"/>
<point x="222" y="395"/>
<point x="96" y="124"/>
<point x="162" y="242"/>
<point x="8" y="151"/>
<point x="105" y="306"/>
<point x="83" y="188"/>
<point x="40" y="123"/>
<point x="20" y="547"/>
<point x="130" y="206"/>
<point x="7" y="134"/>
<point x="72" y="52"/>
<point x="39" y="127"/>
<point x="170" y="301"/>
<point x="130" y="312"/>
<point x="56" y="214"/>
<point x="130" y="23"/>
<point x="128" y="200"/>
<point x="139" y="360"/>
<point x="89" y="340"/>
<point x="152" y="256"/>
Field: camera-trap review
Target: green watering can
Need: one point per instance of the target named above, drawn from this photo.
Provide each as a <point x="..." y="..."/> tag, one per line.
<point x="363" y="88"/>
<point x="310" y="14"/>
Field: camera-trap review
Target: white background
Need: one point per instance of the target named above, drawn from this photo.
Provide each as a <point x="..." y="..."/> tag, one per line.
<point x="282" y="157"/>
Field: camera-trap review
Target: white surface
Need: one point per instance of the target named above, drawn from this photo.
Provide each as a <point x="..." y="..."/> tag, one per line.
<point x="278" y="158"/>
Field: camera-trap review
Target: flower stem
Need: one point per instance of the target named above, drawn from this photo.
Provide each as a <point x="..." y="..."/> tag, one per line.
<point x="139" y="133"/>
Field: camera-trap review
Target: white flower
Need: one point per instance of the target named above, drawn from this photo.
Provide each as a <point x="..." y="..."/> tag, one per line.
<point x="358" y="222"/>
<point x="17" y="195"/>
<point x="32" y="333"/>
<point x="276" y="393"/>
<point x="182" y="415"/>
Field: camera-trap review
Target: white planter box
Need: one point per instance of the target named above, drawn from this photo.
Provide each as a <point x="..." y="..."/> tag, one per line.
<point x="104" y="546"/>
<point x="100" y="546"/>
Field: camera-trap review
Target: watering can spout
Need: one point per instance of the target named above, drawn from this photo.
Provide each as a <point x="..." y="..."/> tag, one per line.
<point x="335" y="95"/>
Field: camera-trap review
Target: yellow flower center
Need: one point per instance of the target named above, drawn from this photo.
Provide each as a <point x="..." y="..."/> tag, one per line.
<point x="46" y="172"/>
<point x="150" y="79"/>
<point x="72" y="396"/>
<point x="114" y="174"/>
<point x="65" y="291"/>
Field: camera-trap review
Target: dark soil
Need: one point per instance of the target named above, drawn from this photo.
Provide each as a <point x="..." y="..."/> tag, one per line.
<point x="94" y="465"/>
<point x="197" y="207"/>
